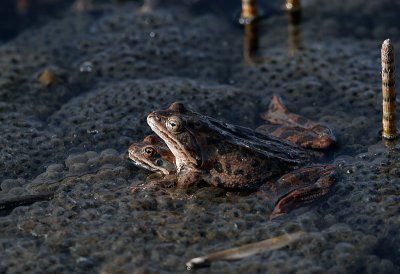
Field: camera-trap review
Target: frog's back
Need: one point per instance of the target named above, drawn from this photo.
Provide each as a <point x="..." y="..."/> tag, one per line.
<point x="243" y="160"/>
<point x="269" y="147"/>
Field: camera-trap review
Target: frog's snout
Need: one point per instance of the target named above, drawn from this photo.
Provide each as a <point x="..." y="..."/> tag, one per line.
<point x="153" y="117"/>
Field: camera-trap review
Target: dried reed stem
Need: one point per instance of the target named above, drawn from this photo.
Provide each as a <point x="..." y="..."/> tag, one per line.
<point x="388" y="90"/>
<point x="249" y="11"/>
<point x="292" y="5"/>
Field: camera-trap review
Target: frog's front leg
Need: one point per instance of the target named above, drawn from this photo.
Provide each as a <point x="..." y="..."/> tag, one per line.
<point x="282" y="123"/>
<point x="189" y="178"/>
<point x="155" y="181"/>
<point x="310" y="183"/>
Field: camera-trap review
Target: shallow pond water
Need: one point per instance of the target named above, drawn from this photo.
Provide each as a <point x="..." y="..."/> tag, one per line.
<point x="107" y="68"/>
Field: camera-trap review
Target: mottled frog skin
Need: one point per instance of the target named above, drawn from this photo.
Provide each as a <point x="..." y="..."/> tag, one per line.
<point x="223" y="154"/>
<point x="200" y="149"/>
<point x="154" y="155"/>
<point x="282" y="123"/>
<point x="238" y="158"/>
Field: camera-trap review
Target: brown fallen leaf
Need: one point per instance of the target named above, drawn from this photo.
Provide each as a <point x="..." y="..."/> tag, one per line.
<point x="244" y="251"/>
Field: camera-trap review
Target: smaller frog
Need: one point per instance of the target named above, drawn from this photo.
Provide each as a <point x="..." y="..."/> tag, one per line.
<point x="282" y="123"/>
<point x="153" y="154"/>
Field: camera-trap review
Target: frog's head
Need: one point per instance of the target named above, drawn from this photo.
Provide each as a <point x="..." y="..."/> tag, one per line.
<point x="176" y="127"/>
<point x="152" y="154"/>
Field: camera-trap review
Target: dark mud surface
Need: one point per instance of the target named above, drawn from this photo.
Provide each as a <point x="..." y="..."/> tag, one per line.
<point x="113" y="65"/>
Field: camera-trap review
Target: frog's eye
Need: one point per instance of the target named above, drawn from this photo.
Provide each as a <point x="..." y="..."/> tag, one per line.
<point x="149" y="151"/>
<point x="174" y="124"/>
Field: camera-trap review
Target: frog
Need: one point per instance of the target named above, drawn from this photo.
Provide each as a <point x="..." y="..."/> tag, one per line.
<point x="280" y="122"/>
<point x="238" y="158"/>
<point x="152" y="154"/>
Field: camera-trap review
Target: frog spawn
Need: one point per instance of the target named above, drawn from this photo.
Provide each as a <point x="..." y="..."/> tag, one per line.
<point x="197" y="143"/>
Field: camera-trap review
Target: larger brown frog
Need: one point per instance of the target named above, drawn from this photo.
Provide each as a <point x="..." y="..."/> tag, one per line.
<point x="154" y="155"/>
<point x="238" y="158"/>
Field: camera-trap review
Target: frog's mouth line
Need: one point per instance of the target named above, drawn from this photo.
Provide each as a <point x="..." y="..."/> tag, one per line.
<point x="176" y="148"/>
<point x="147" y="164"/>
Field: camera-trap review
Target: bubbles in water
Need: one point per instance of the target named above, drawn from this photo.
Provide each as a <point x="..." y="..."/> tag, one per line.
<point x="86" y="67"/>
<point x="92" y="131"/>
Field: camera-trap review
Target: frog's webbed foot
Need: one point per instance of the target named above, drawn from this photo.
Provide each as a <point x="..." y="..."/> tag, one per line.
<point x="322" y="176"/>
<point x="280" y="122"/>
<point x="154" y="182"/>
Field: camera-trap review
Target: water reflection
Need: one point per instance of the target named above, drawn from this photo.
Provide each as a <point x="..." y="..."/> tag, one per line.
<point x="293" y="10"/>
<point x="251" y="45"/>
<point x="17" y="15"/>
<point x="251" y="41"/>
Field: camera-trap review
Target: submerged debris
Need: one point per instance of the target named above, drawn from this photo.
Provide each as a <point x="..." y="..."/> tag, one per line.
<point x="48" y="77"/>
<point x="24" y="200"/>
<point x="244" y="251"/>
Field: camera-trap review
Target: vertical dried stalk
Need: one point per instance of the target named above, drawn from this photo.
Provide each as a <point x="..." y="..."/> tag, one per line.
<point x="292" y="5"/>
<point x="388" y="90"/>
<point x="249" y="11"/>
